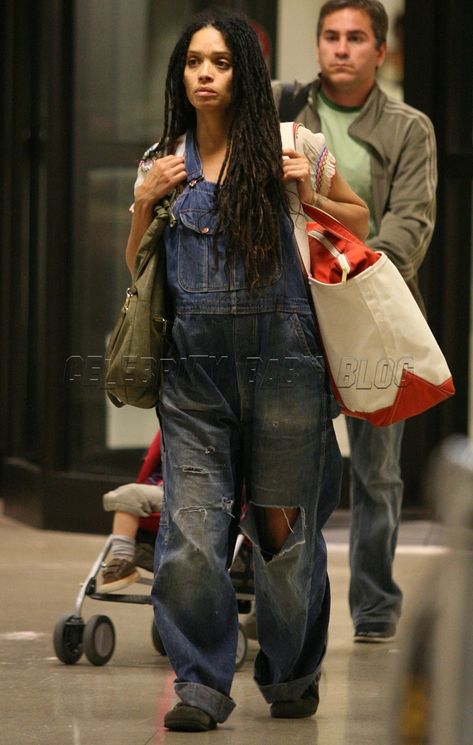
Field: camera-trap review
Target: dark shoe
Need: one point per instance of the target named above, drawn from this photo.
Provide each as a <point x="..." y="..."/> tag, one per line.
<point x="117" y="574"/>
<point x="375" y="633"/>
<point x="185" y="718"/>
<point x="305" y="706"/>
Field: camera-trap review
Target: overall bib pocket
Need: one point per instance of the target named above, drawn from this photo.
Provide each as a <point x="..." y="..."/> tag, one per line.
<point x="201" y="255"/>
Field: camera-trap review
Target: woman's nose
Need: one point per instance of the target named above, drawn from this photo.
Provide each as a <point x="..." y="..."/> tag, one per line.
<point x="205" y="70"/>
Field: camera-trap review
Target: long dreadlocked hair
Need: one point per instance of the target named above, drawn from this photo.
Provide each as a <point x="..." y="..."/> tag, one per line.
<point x="250" y="198"/>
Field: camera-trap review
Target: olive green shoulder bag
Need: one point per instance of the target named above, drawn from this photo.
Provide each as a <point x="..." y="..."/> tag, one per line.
<point x="135" y="349"/>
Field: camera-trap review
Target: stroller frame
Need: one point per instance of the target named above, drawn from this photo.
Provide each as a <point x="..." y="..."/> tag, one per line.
<point x="96" y="638"/>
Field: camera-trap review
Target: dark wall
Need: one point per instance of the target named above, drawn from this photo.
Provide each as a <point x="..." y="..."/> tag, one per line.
<point x="439" y="81"/>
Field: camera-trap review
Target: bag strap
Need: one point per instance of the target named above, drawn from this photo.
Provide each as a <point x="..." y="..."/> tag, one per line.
<point x="343" y="262"/>
<point x="289" y="140"/>
<point x="289" y="132"/>
<point x="181" y="145"/>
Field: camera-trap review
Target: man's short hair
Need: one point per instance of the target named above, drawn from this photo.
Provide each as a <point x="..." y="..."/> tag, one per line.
<point x="375" y="10"/>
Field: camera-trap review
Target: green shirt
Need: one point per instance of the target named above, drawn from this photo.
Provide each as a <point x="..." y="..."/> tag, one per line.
<point x="353" y="158"/>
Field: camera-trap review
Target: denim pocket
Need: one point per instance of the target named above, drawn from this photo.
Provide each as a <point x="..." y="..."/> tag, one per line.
<point x="201" y="253"/>
<point x="305" y="332"/>
<point x="201" y="265"/>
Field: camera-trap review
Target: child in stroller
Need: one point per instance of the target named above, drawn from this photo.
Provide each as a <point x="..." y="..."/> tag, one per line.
<point x="135" y="525"/>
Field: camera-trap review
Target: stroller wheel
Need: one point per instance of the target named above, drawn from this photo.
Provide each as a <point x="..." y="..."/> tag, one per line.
<point x="157" y="641"/>
<point x="99" y="640"/>
<point x="67" y="638"/>
<point x="242" y="647"/>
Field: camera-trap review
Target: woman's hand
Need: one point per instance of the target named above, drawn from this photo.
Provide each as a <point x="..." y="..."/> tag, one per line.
<point x="163" y="176"/>
<point x="341" y="201"/>
<point x="296" y="167"/>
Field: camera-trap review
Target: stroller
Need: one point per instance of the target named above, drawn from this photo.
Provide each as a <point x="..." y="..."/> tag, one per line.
<point x="95" y="638"/>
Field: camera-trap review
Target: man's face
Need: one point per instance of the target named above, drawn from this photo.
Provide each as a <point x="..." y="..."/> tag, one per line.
<point x="347" y="51"/>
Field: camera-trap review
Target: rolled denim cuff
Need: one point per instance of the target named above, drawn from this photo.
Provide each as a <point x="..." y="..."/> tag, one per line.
<point x="290" y="691"/>
<point x="208" y="699"/>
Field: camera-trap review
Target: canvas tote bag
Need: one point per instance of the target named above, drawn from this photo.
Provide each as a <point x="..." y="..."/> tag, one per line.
<point x="383" y="360"/>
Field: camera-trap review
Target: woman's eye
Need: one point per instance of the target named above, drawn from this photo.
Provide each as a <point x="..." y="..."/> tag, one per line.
<point x="223" y="64"/>
<point x="192" y="62"/>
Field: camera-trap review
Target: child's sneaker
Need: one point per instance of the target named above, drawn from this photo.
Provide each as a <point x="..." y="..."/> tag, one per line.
<point x="117" y="574"/>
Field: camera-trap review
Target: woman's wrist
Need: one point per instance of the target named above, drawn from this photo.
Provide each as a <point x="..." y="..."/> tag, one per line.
<point x="143" y="209"/>
<point x="316" y="199"/>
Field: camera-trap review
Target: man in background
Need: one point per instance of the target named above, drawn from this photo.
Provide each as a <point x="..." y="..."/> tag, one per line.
<point x="386" y="151"/>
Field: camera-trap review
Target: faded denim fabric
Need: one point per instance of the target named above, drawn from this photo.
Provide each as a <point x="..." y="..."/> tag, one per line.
<point x="376" y="490"/>
<point x="245" y="401"/>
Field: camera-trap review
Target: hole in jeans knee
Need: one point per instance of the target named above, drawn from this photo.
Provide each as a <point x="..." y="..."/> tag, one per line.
<point x="275" y="524"/>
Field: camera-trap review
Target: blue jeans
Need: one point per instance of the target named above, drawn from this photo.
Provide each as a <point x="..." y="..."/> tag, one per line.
<point x="376" y="490"/>
<point x="260" y="418"/>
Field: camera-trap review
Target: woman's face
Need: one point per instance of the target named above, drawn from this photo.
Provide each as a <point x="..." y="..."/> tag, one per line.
<point x="208" y="71"/>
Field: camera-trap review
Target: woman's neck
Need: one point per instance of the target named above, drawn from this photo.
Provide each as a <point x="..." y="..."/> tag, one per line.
<point x="212" y="138"/>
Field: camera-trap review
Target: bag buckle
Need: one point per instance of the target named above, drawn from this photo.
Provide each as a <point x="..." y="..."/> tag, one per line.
<point x="163" y="322"/>
<point x="129" y="294"/>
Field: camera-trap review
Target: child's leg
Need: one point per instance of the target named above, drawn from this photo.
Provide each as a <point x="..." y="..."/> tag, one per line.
<point x="120" y="570"/>
<point x="125" y="525"/>
<point x="128" y="503"/>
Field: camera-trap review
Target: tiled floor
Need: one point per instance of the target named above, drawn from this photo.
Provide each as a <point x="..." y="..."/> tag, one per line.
<point x="44" y="702"/>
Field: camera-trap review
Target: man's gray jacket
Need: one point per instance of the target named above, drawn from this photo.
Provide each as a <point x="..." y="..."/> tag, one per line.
<point x="402" y="145"/>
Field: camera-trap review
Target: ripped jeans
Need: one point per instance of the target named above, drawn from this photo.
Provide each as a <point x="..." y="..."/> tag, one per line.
<point x="257" y="420"/>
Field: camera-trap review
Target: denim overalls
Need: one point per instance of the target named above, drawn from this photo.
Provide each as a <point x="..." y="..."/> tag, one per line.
<point x="244" y="401"/>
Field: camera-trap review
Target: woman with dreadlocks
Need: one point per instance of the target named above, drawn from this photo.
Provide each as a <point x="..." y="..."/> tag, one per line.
<point x="248" y="404"/>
